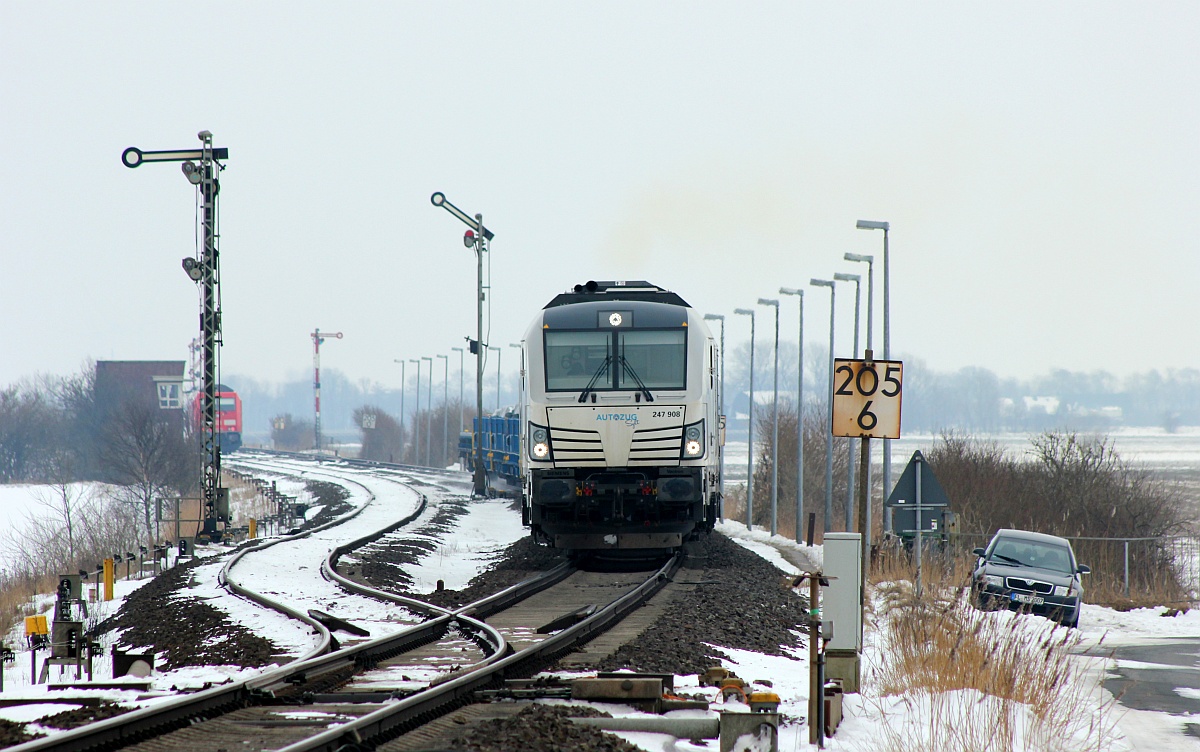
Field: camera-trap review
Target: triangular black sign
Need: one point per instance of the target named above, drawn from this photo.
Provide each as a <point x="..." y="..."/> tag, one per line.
<point x="905" y="492"/>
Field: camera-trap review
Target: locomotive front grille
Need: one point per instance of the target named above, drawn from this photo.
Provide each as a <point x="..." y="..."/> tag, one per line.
<point x="656" y="444"/>
<point x="576" y="446"/>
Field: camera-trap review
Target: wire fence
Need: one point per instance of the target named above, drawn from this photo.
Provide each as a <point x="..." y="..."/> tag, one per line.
<point x="1164" y="569"/>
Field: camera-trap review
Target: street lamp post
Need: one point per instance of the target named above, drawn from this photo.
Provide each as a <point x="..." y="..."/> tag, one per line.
<point x="857" y="280"/>
<point x="477" y="237"/>
<point x="403" y="384"/>
<point x="461" y="376"/>
<point x="799" y="417"/>
<point x="866" y="224"/>
<point x="774" y="423"/>
<point x="417" y="416"/>
<point x="445" y="404"/>
<point x="721" y="395"/>
<point x="829" y="411"/>
<point x="750" y="427"/>
<point x="866" y="461"/>
<point x="429" y="415"/>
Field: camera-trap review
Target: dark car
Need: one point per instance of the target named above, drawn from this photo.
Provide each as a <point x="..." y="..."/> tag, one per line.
<point x="1031" y="572"/>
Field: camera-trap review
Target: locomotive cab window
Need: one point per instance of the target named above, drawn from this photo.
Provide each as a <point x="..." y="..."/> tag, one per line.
<point x="574" y="358"/>
<point x="619" y="359"/>
<point x="226" y="404"/>
<point x="658" y="357"/>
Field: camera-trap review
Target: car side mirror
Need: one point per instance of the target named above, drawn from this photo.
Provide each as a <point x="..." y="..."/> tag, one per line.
<point x="979" y="552"/>
<point x="1084" y="569"/>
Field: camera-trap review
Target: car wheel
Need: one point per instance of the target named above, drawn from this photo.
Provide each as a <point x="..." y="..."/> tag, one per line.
<point x="983" y="601"/>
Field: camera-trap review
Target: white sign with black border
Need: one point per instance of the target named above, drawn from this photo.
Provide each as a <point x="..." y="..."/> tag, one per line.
<point x="866" y="398"/>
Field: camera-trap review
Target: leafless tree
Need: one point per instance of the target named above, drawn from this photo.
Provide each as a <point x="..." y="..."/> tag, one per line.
<point x="145" y="453"/>
<point x="382" y="438"/>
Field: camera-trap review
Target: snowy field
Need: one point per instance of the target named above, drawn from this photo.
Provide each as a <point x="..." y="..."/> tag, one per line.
<point x="1177" y="454"/>
<point x="872" y="722"/>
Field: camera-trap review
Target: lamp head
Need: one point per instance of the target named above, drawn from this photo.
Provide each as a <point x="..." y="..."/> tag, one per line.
<point x="859" y="257"/>
<point x="744" y="311"/>
<point x="821" y="282"/>
<point x="868" y="224"/>
<point x="791" y="291"/>
<point x="843" y="277"/>
<point x="714" y="317"/>
<point x="193" y="268"/>
<point x="768" y="301"/>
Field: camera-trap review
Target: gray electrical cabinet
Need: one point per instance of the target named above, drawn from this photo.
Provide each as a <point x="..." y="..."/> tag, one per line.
<point x="842" y="600"/>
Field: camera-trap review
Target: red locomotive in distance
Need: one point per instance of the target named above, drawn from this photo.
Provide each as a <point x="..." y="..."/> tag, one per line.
<point x="229" y="417"/>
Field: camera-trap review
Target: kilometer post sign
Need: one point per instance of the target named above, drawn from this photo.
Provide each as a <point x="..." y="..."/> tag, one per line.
<point x="866" y="398"/>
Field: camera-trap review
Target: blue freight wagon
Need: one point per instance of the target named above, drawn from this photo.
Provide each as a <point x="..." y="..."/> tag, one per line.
<point x="501" y="440"/>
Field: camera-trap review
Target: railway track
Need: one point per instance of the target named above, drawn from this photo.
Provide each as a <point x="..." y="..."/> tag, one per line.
<point x="366" y="691"/>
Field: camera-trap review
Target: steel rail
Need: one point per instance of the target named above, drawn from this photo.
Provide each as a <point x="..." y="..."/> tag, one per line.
<point x="146" y="722"/>
<point x="130" y="727"/>
<point x="397" y="717"/>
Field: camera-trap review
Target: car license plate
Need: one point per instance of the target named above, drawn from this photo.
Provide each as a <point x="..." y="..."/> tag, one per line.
<point x="1033" y="600"/>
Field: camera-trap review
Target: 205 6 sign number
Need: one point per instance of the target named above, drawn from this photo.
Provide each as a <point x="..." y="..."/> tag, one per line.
<point x="866" y="398"/>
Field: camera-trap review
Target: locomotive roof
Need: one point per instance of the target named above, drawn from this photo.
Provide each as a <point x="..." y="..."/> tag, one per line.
<point x="634" y="290"/>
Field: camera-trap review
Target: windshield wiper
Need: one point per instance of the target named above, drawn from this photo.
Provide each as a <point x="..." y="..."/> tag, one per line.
<point x="591" y="385"/>
<point x="1018" y="562"/>
<point x="629" y="370"/>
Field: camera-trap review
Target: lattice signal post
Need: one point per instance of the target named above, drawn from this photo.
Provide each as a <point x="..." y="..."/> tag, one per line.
<point x="201" y="167"/>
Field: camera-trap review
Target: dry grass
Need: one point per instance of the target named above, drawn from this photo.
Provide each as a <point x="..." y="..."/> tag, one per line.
<point x="978" y="681"/>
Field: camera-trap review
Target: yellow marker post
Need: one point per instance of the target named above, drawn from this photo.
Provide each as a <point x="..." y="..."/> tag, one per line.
<point x="253" y="528"/>
<point x="108" y="579"/>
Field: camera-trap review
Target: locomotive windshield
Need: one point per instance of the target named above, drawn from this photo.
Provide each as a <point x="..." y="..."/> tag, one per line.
<point x="657" y="357"/>
<point x="226" y="404"/>
<point x="574" y="358"/>
<point x="577" y="359"/>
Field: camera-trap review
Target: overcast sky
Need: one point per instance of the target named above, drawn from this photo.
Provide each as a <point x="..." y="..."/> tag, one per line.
<point x="1039" y="164"/>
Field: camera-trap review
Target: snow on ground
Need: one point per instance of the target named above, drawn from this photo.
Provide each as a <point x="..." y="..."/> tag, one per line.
<point x="871" y="722"/>
<point x="482" y="533"/>
<point x="290" y="571"/>
<point x="786" y="554"/>
<point x="1136" y="626"/>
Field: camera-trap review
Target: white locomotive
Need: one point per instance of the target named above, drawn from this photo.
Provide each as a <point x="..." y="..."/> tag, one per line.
<point x="621" y="426"/>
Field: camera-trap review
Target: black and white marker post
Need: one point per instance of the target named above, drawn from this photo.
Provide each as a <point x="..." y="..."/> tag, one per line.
<point x="200" y="167"/>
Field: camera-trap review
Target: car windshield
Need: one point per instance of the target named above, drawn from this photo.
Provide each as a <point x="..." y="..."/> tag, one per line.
<point x="1027" y="553"/>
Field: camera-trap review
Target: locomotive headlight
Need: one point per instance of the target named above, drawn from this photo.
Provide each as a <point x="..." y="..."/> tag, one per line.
<point x="693" y="440"/>
<point x="539" y="442"/>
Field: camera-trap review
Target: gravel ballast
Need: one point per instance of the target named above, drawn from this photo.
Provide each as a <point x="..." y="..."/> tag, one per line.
<point x="743" y="602"/>
<point x="541" y="727"/>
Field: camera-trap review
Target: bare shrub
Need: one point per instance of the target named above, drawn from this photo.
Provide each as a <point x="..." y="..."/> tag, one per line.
<point x="291" y="434"/>
<point x="101" y="527"/>
<point x="816" y="433"/>
<point x="1021" y="684"/>
<point x="382" y="437"/>
<point x="1073" y="487"/>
